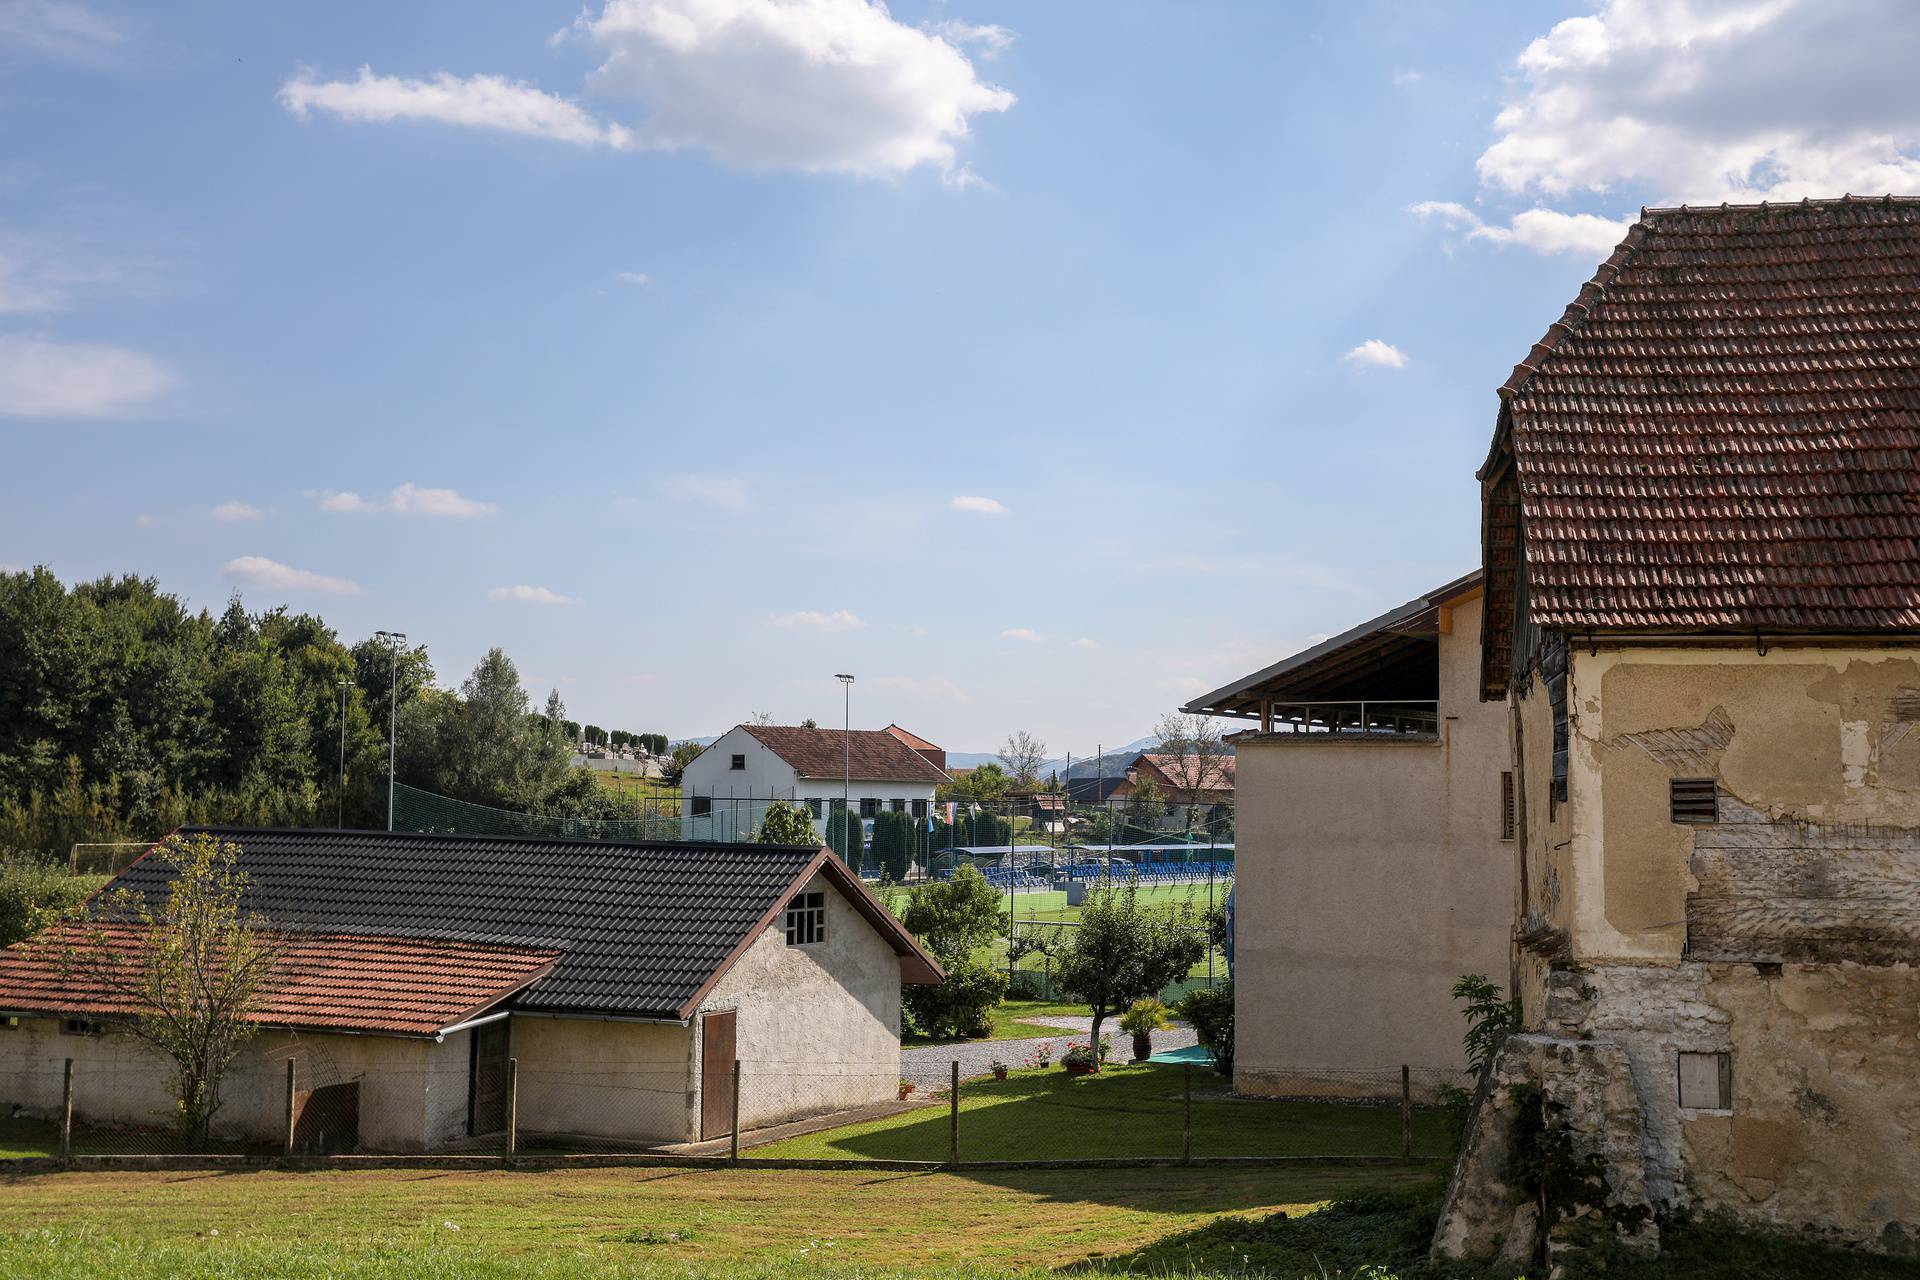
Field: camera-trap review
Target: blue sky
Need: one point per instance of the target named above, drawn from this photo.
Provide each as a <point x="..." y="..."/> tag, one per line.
<point x="656" y="341"/>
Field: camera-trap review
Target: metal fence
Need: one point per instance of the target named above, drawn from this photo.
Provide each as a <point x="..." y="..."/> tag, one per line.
<point x="778" y="1113"/>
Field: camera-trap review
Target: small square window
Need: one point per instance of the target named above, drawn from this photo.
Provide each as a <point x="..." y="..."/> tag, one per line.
<point x="813" y="805"/>
<point x="1706" y="1081"/>
<point x="82" y="1027"/>
<point x="919" y="808"/>
<point x="807" y="919"/>
<point x="898" y="806"/>
<point x="739" y="761"/>
<point x="702" y="806"/>
<point x="9" y="1024"/>
<point x="869" y="806"/>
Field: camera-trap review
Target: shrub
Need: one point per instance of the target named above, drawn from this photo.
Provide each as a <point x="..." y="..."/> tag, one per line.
<point x="1079" y="1057"/>
<point x="786" y="824"/>
<point x="959" y="1007"/>
<point x="33" y="893"/>
<point x="1144" y="1016"/>
<point x="1210" y="1010"/>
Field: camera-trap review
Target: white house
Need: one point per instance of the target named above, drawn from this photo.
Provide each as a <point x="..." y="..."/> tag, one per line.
<point x="726" y="789"/>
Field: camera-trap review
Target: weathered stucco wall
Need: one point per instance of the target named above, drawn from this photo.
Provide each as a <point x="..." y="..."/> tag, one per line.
<point x="413" y="1093"/>
<point x="1371" y="875"/>
<point x="818" y="1026"/>
<point x="630" y="1081"/>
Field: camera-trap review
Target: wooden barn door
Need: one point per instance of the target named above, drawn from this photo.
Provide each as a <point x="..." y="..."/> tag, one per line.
<point x="487" y="1078"/>
<point x="716" y="1074"/>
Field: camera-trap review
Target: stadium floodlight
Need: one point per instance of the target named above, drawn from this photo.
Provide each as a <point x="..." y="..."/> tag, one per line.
<point x="394" y="640"/>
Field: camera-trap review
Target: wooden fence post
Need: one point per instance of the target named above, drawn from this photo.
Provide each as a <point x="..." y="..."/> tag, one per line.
<point x="1186" y="1123"/>
<point x="513" y="1106"/>
<point x="291" y="1116"/>
<point x="733" y="1137"/>
<point x="953" y="1118"/>
<point x="1406" y="1111"/>
<point x="66" y="1114"/>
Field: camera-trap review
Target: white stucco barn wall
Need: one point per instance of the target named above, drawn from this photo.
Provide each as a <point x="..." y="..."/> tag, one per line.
<point x="818" y="1026"/>
<point x="629" y="1081"/>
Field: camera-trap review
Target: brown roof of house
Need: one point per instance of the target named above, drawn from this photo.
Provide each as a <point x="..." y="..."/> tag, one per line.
<point x="871" y="755"/>
<point x="1168" y="767"/>
<point x="1722" y="432"/>
<point x="913" y="740"/>
<point x="320" y="982"/>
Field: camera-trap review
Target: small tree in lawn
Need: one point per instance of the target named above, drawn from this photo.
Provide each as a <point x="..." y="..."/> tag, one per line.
<point x="1123" y="951"/>
<point x="786" y="824"/>
<point x="955" y="919"/>
<point x="190" y="973"/>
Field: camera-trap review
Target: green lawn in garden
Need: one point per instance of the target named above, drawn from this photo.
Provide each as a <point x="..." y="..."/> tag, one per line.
<point x="1123" y="1111"/>
<point x="1011" y="1022"/>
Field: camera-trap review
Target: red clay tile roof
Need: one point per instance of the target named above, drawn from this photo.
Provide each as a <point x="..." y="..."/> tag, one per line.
<point x="1168" y="768"/>
<point x="877" y="756"/>
<point x="321" y="982"/>
<point x="1722" y="432"/>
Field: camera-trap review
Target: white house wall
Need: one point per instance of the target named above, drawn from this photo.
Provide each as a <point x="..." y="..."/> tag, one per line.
<point x="628" y="1081"/>
<point x="740" y="796"/>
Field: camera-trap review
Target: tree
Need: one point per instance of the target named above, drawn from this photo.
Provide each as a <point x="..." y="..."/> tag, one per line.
<point x="983" y="784"/>
<point x="760" y="717"/>
<point x="191" y="973"/>
<point x="1023" y="754"/>
<point x="786" y="824"/>
<point x="683" y="754"/>
<point x="955" y="918"/>
<point x="1123" y="951"/>
<point x="1194" y="757"/>
<point x="1140" y="813"/>
<point x="809" y="723"/>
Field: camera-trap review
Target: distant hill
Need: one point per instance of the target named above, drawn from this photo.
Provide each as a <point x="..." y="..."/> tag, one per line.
<point x="1117" y="759"/>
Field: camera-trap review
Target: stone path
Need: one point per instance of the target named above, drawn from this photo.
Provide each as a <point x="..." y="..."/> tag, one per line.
<point x="930" y="1066"/>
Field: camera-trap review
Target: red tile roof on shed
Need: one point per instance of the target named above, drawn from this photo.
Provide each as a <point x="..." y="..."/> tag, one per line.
<point x="322" y="982"/>
<point x="1723" y="431"/>
<point x="873" y="755"/>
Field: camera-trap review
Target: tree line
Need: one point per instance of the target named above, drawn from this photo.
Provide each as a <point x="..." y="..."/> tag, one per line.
<point x="124" y="713"/>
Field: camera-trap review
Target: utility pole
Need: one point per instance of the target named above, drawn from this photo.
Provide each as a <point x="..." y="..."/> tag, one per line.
<point x="394" y="640"/>
<point x="846" y="775"/>
<point x="340" y="800"/>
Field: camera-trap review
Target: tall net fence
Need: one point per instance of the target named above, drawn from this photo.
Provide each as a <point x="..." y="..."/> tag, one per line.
<point x="768" y="1110"/>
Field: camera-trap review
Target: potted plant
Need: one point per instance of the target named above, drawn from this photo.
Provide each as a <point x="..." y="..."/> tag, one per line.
<point x="998" y="1068"/>
<point x="1041" y="1056"/>
<point x="1142" y="1018"/>
<point x="1080" y="1059"/>
<point x="906" y="1087"/>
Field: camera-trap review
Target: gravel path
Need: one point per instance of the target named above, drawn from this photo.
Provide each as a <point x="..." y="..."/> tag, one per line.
<point x="930" y="1066"/>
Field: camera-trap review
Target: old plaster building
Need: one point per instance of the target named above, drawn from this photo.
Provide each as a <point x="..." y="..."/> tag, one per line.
<point x="1702" y="546"/>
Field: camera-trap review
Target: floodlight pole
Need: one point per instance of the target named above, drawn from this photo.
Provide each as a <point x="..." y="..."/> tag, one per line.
<point x="340" y="798"/>
<point x="394" y="640"/>
<point x="846" y="763"/>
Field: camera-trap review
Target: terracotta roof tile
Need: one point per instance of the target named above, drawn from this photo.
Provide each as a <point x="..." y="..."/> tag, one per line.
<point x="876" y="755"/>
<point x="1723" y="430"/>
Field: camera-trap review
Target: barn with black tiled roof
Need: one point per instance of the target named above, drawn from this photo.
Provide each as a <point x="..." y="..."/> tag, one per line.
<point x="622" y="981"/>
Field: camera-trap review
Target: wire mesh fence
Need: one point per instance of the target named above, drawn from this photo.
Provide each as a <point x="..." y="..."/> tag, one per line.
<point x="1050" y="1110"/>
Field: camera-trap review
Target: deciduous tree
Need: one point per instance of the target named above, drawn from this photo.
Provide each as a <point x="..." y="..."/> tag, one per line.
<point x="1123" y="950"/>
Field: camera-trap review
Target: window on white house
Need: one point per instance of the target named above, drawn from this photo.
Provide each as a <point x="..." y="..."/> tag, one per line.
<point x="739" y="761"/>
<point x="919" y="808"/>
<point x="807" y="919"/>
<point x="1706" y="1081"/>
<point x="813" y="805"/>
<point x="898" y="806"/>
<point x="869" y="806"/>
<point x="702" y="806"/>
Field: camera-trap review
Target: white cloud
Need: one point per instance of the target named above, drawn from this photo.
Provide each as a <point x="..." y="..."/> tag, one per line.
<point x="476" y="102"/>
<point x="1086" y="642"/>
<point x="729" y="493"/>
<point x="1542" y="230"/>
<point x="407" y="499"/>
<point x="1375" y="352"/>
<point x="991" y="40"/>
<point x="977" y="505"/>
<point x="43" y="378"/>
<point x="530" y="595"/>
<point x="258" y="571"/>
<point x="59" y="29"/>
<point x="236" y="512"/>
<point x="1404" y="78"/>
<point x="638" y="279"/>
<point x="815" y="620"/>
<point x="1020" y="633"/>
<point x="43" y="271"/>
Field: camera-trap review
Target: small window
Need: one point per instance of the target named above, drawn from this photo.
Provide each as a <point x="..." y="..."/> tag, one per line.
<point x="1508" y="824"/>
<point x="739" y="761"/>
<point x="82" y="1027"/>
<point x="702" y="806"/>
<point x="813" y="804"/>
<point x="9" y="1024"/>
<point x="919" y="808"/>
<point x="869" y="806"/>
<point x="898" y="806"/>
<point x="807" y="919"/>
<point x="1693" y="800"/>
<point x="1706" y="1081"/>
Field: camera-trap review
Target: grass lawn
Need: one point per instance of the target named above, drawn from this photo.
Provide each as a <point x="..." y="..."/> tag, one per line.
<point x="1010" y="1021"/>
<point x="596" y="1222"/>
<point x="20" y="1138"/>
<point x="630" y="785"/>
<point x="1124" y="1111"/>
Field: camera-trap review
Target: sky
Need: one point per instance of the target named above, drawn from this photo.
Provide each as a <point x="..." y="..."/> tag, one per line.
<point x="1043" y="363"/>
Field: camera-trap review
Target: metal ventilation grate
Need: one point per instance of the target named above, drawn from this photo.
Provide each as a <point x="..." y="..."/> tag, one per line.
<point x="1693" y="800"/>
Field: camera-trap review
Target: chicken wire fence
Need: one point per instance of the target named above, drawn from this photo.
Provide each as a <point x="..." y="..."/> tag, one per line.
<point x="1031" y="1110"/>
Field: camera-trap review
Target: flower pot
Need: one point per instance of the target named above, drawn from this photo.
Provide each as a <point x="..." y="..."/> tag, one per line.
<point x="999" y="1073"/>
<point x="1079" y="1069"/>
<point x="905" y="1089"/>
<point x="1142" y="1045"/>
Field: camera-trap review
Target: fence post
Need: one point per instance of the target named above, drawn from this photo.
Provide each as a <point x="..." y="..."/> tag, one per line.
<point x="287" y="1148"/>
<point x="513" y="1106"/>
<point x="953" y="1118"/>
<point x="1406" y="1111"/>
<point x="1186" y="1124"/>
<point x="66" y="1114"/>
<point x="733" y="1136"/>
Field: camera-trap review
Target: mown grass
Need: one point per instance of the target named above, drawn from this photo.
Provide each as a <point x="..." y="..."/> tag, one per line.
<point x="626" y="1222"/>
<point x="1124" y="1111"/>
<point x="1012" y="1021"/>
